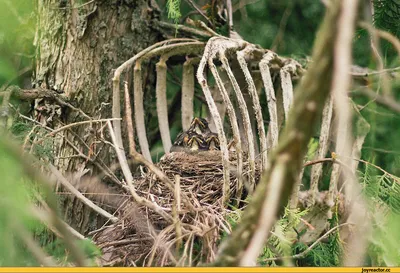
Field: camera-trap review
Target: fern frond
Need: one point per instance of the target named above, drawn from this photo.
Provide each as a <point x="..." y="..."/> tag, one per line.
<point x="174" y="9"/>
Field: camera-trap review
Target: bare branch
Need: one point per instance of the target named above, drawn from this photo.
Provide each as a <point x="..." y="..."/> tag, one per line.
<point x="129" y="179"/>
<point x="26" y="160"/>
<point x="79" y="195"/>
<point x="354" y="253"/>
<point x="384" y="100"/>
<point x="305" y="252"/>
<point x="276" y="184"/>
<point x="116" y="107"/>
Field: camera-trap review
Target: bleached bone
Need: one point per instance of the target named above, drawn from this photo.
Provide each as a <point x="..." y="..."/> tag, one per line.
<point x="187" y="94"/>
<point x="139" y="111"/>
<point x="241" y="56"/>
<point x="232" y="118"/>
<point x="361" y="131"/>
<point x="270" y="94"/>
<point x="287" y="87"/>
<point x="213" y="46"/>
<point x="166" y="51"/>
<point x="116" y="107"/>
<point x="246" y="119"/>
<point x="316" y="170"/>
<point x="162" y="106"/>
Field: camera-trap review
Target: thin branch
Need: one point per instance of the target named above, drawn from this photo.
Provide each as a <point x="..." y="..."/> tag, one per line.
<point x="129" y="122"/>
<point x="79" y="195"/>
<point x="26" y="160"/>
<point x="270" y="95"/>
<point x="384" y="100"/>
<point x="316" y="171"/>
<point x="305" y="252"/>
<point x="33" y="247"/>
<point x="383" y="34"/>
<point x="287" y="87"/>
<point x="45" y="217"/>
<point x="68" y="126"/>
<point x="276" y="185"/>
<point x="199" y="11"/>
<point x="371" y="73"/>
<point x="354" y="253"/>
<point x="129" y="179"/>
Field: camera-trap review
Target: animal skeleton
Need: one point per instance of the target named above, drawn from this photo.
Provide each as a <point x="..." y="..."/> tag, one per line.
<point x="223" y="50"/>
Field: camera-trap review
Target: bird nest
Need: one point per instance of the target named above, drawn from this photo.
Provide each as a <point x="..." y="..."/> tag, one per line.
<point x="192" y="217"/>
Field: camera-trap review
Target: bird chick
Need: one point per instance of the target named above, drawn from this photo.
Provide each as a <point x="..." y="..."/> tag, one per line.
<point x="212" y="142"/>
<point x="181" y="143"/>
<point x="197" y="143"/>
<point x="200" y="126"/>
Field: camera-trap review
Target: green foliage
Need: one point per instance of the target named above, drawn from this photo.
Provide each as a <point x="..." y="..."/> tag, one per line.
<point x="280" y="243"/>
<point x="18" y="196"/>
<point x="386" y="15"/>
<point x="17" y="29"/>
<point x="383" y="192"/>
<point x="174" y="10"/>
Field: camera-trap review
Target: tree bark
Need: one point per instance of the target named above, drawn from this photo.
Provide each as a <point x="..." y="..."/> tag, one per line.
<point x="78" y="46"/>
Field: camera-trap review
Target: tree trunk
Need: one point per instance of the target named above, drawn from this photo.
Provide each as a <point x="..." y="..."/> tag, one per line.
<point x="78" y="46"/>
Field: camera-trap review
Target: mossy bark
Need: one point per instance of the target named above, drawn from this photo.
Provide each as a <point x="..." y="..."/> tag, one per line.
<point x="78" y="46"/>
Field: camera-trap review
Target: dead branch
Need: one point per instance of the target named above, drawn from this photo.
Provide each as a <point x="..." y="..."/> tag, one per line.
<point x="129" y="179"/>
<point x="384" y="100"/>
<point x="26" y="161"/>
<point x="354" y="253"/>
<point x="68" y="126"/>
<point x="79" y="195"/>
<point x="276" y="185"/>
<point x="287" y="87"/>
<point x="116" y="107"/>
<point x="305" y="252"/>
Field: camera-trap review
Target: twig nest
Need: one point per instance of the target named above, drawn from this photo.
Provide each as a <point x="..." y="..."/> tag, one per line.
<point x="201" y="222"/>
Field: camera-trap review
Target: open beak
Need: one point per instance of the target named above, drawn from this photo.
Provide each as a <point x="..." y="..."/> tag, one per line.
<point x="197" y="121"/>
<point x="213" y="143"/>
<point x="195" y="143"/>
